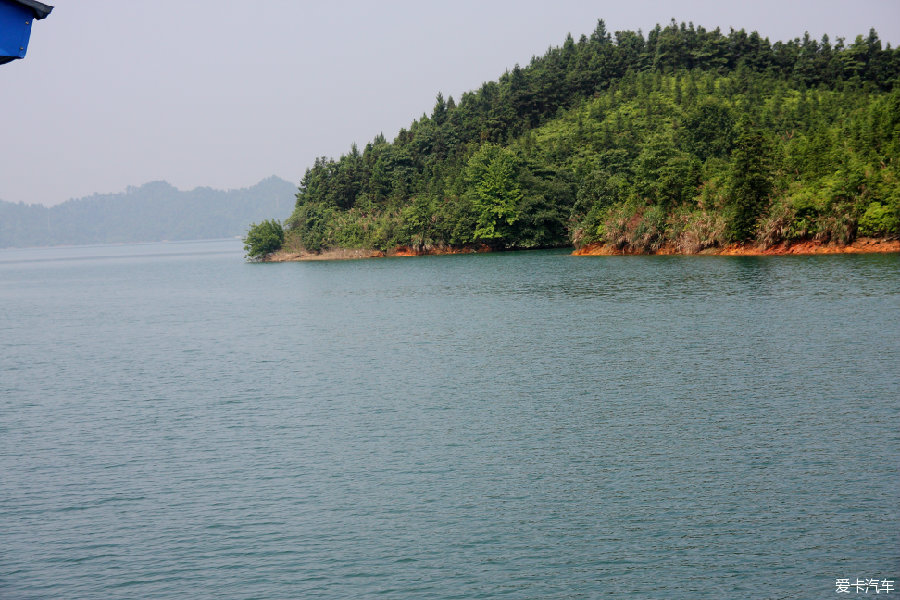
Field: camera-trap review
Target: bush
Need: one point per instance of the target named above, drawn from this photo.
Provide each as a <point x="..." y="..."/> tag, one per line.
<point x="263" y="239"/>
<point x="698" y="230"/>
<point x="649" y="234"/>
<point x="312" y="222"/>
<point x="636" y="228"/>
<point x="879" y="220"/>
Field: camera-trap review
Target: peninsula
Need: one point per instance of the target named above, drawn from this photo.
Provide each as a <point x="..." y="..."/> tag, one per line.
<point x="683" y="140"/>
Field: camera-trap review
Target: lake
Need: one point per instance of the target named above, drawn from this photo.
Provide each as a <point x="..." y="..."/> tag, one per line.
<point x="177" y="423"/>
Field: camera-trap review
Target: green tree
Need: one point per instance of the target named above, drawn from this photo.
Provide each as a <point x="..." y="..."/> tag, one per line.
<point x="492" y="178"/>
<point x="418" y="219"/>
<point x="312" y="223"/>
<point x="263" y="239"/>
<point x="750" y="181"/>
<point x="709" y="129"/>
<point x="663" y="174"/>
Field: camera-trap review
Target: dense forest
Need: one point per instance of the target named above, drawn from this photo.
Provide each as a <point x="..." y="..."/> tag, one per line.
<point x="682" y="137"/>
<point x="152" y="212"/>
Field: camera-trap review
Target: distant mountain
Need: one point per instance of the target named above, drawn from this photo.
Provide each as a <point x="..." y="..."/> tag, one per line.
<point x="155" y="211"/>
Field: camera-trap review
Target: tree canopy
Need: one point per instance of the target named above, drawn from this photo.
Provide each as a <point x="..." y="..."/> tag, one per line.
<point x="263" y="239"/>
<point x="683" y="135"/>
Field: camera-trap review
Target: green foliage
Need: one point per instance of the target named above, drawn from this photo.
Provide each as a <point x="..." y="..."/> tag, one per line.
<point x="684" y="136"/>
<point x="649" y="231"/>
<point x="418" y="219"/>
<point x="599" y="189"/>
<point x="314" y="224"/>
<point x="709" y="129"/>
<point x="750" y="181"/>
<point x="636" y="227"/>
<point x="492" y="178"/>
<point x="664" y="175"/>
<point x="544" y="210"/>
<point x="263" y="239"/>
<point x="696" y="230"/>
<point x="880" y="220"/>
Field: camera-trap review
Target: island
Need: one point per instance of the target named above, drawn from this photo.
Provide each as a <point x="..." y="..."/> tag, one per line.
<point x="683" y="140"/>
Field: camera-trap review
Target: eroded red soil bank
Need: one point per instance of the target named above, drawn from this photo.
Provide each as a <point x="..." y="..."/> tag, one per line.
<point x="860" y="246"/>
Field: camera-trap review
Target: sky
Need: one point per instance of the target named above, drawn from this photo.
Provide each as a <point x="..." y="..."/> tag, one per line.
<point x="222" y="93"/>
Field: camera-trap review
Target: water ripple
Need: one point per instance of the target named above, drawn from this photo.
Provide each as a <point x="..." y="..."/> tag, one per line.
<point x="531" y="425"/>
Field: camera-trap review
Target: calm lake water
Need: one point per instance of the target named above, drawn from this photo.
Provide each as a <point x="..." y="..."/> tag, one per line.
<point x="175" y="423"/>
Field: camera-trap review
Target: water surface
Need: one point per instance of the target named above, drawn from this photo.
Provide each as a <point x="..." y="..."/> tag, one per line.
<point x="177" y="423"/>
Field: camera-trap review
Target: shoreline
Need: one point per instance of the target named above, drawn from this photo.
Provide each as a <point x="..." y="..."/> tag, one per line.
<point x="806" y="248"/>
<point x="360" y="253"/>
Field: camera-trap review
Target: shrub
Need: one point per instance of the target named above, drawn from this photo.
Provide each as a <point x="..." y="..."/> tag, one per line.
<point x="700" y="229"/>
<point x="263" y="239"/>
<point x="649" y="232"/>
<point x="879" y="220"/>
<point x="312" y="223"/>
<point x="636" y="228"/>
<point x="838" y="228"/>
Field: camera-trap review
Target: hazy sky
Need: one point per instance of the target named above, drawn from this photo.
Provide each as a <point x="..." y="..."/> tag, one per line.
<point x="222" y="93"/>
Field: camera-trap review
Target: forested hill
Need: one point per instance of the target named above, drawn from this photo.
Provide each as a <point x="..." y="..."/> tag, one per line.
<point x="152" y="212"/>
<point x="683" y="136"/>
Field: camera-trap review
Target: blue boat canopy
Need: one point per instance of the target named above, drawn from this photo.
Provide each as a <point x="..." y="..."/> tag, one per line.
<point x="16" y="17"/>
<point x="40" y="10"/>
